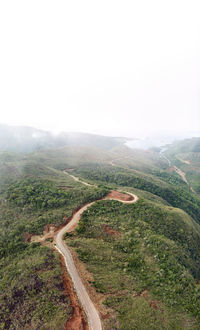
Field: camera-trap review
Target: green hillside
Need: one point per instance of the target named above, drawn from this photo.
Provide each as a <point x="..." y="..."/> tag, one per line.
<point x="186" y="155"/>
<point x="156" y="251"/>
<point x="162" y="184"/>
<point x="32" y="292"/>
<point x="144" y="257"/>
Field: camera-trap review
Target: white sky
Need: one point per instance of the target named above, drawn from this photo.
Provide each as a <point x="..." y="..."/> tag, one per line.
<point x="110" y="67"/>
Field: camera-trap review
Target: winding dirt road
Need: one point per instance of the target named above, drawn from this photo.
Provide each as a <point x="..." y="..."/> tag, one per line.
<point x="93" y="317"/>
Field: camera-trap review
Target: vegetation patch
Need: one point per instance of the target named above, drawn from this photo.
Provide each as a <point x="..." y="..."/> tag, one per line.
<point x="32" y="292"/>
<point x="176" y="193"/>
<point x="157" y="251"/>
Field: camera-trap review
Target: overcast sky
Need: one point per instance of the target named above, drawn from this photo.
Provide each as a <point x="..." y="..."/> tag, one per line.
<point x="110" y="67"/>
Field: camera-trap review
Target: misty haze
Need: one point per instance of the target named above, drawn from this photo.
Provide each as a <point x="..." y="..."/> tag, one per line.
<point x="100" y="165"/>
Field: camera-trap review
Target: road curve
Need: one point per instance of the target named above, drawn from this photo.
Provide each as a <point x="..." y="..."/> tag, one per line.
<point x="132" y="201"/>
<point x="93" y="317"/>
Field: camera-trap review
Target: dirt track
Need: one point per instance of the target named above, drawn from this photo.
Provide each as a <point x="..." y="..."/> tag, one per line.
<point x="183" y="176"/>
<point x="75" y="178"/>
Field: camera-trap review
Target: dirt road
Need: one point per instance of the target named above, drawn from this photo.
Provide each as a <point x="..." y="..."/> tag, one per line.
<point x="93" y="317"/>
<point x="181" y="173"/>
<point x="183" y="176"/>
<point x="75" y="178"/>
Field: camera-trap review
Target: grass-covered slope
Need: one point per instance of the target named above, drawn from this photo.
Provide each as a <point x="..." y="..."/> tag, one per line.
<point x="145" y="260"/>
<point x="31" y="287"/>
<point x="31" y="291"/>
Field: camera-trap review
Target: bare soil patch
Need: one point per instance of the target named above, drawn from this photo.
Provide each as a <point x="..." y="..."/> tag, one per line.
<point x="78" y="319"/>
<point x="152" y="303"/>
<point x="111" y="231"/>
<point x="48" y="233"/>
<point x="27" y="237"/>
<point x="87" y="278"/>
<point x="185" y="161"/>
<point x="118" y="195"/>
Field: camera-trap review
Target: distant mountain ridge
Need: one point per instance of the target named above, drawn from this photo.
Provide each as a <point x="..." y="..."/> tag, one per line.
<point x="27" y="139"/>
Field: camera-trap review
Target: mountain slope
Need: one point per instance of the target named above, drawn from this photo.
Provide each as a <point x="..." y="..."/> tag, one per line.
<point x="143" y="259"/>
<point x="186" y="156"/>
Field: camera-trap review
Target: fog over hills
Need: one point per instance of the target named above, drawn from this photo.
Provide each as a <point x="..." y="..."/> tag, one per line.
<point x="27" y="139"/>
